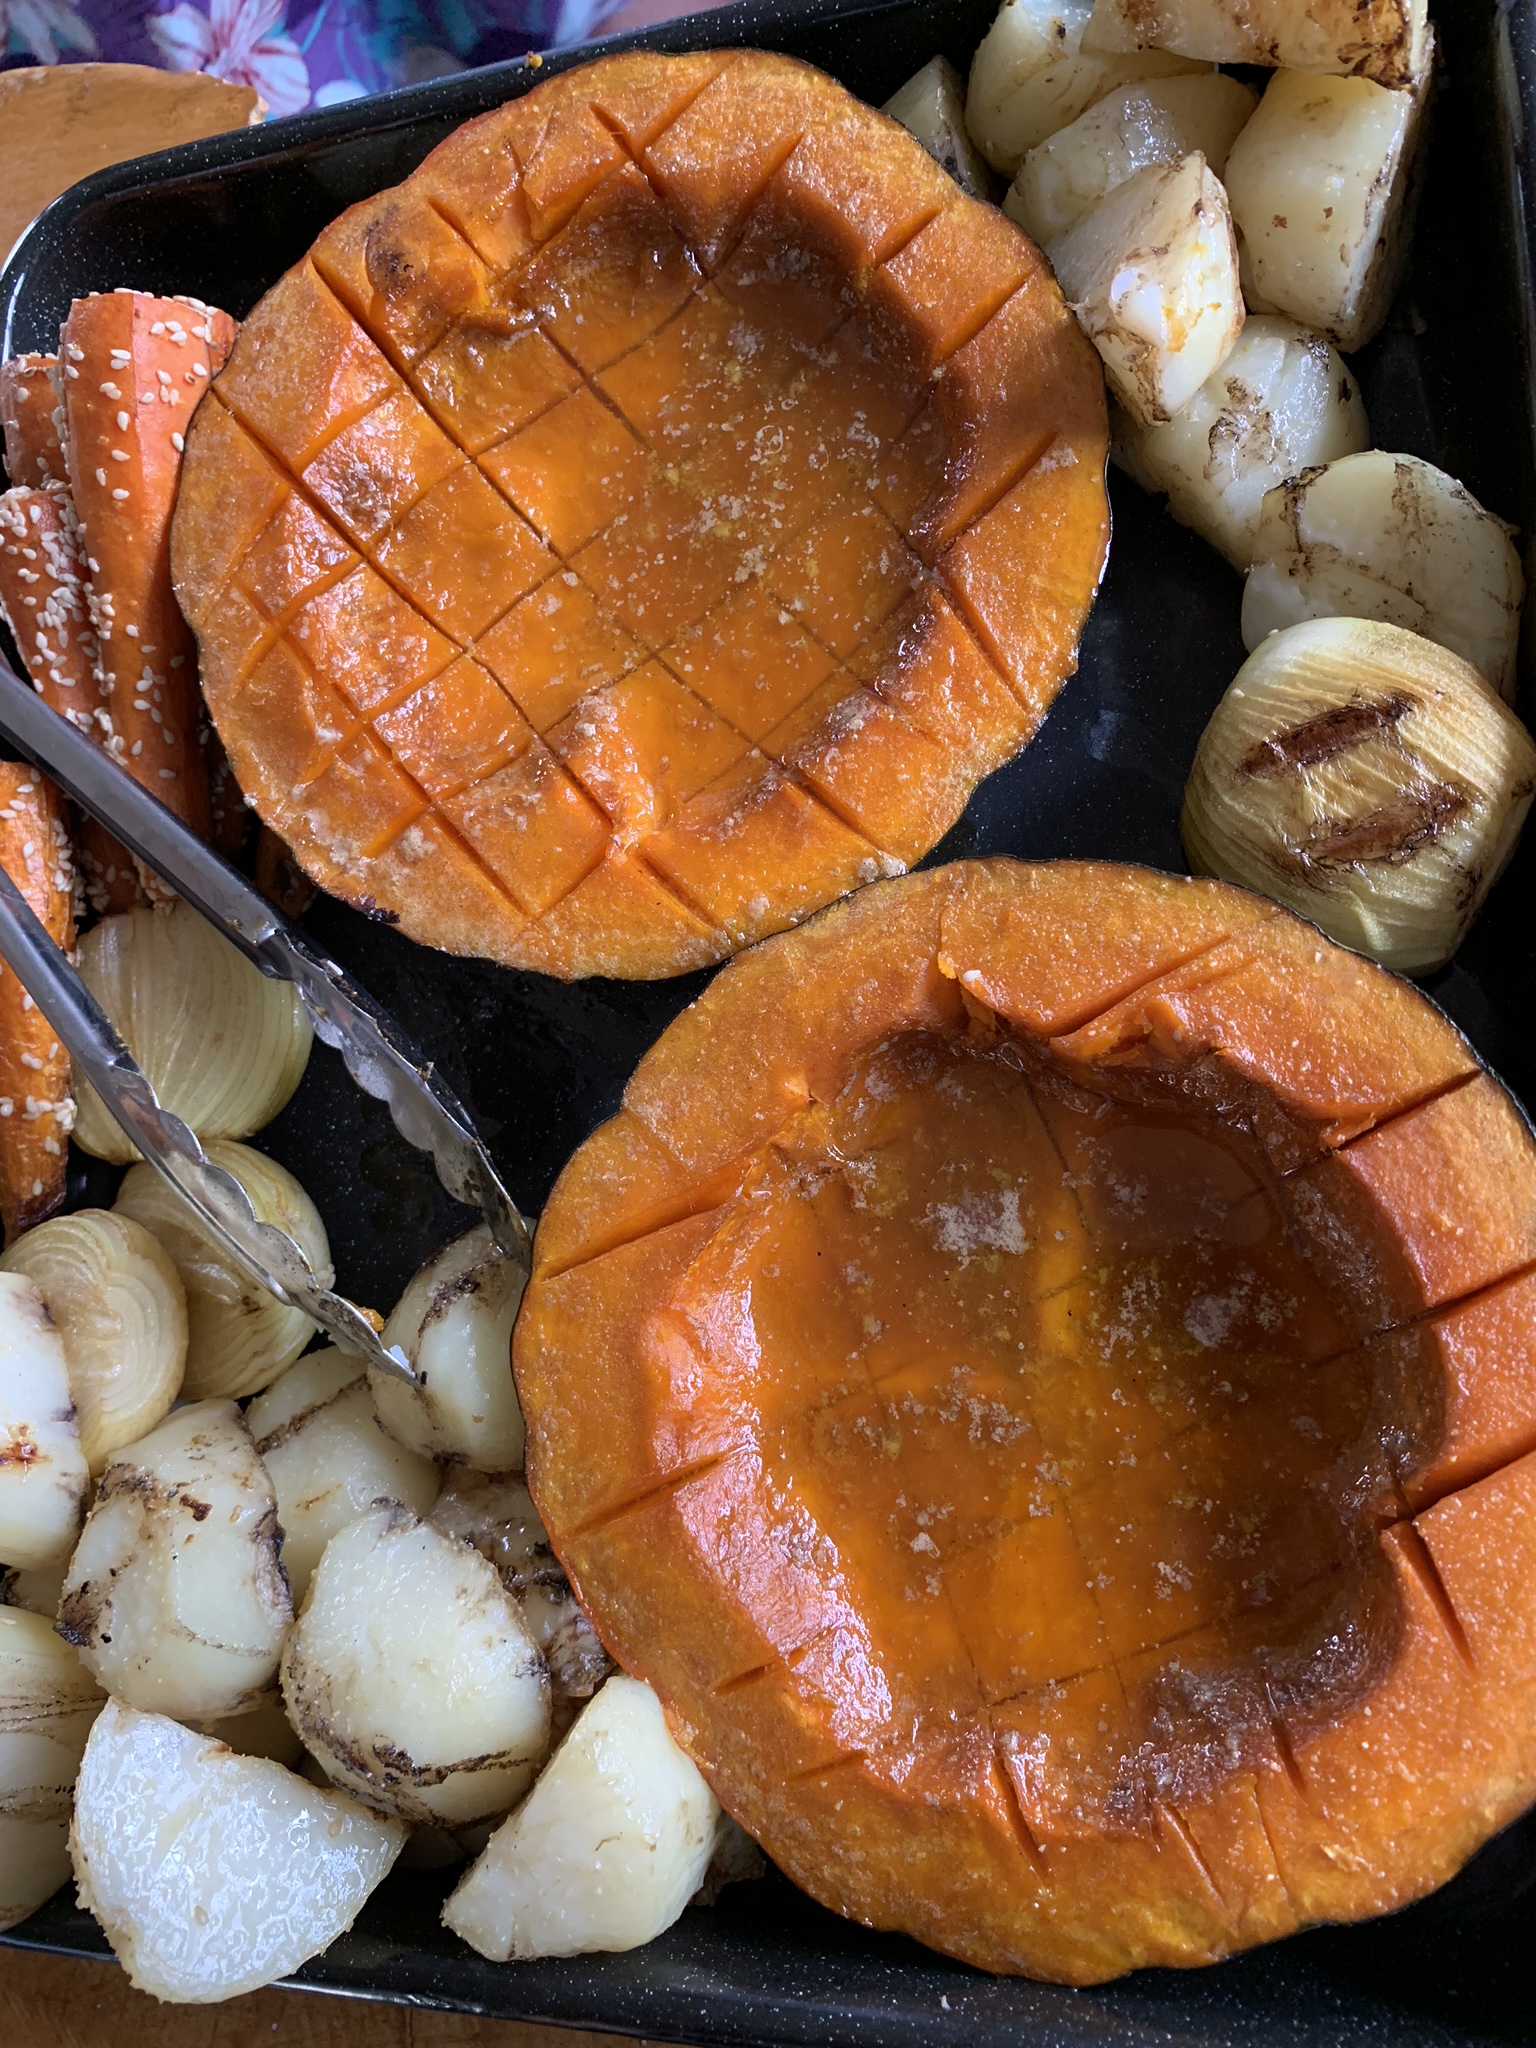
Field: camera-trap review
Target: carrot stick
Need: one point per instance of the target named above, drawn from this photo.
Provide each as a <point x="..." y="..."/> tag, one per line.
<point x="133" y="369"/>
<point x="37" y="1107"/>
<point x="43" y="595"/>
<point x="29" y="420"/>
<point x="43" y="600"/>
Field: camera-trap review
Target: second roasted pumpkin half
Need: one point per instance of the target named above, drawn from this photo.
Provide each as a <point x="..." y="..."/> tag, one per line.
<point x="646" y="523"/>
<point x="1038" y="1375"/>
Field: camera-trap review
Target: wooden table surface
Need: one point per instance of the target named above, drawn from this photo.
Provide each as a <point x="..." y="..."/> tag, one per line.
<point x="55" y="2002"/>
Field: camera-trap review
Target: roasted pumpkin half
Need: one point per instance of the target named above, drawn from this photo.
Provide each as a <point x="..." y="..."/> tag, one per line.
<point x="644" y="524"/>
<point x="1040" y="1375"/>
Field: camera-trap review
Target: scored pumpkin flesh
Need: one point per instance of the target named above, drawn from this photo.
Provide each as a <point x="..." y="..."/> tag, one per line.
<point x="646" y="523"/>
<point x="1037" y="1377"/>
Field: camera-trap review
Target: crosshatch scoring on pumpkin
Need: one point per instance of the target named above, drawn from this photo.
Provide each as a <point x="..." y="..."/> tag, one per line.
<point x="606" y="523"/>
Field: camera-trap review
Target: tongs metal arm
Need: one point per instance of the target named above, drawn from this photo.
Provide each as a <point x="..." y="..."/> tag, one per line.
<point x="221" y="1204"/>
<point x="377" y="1053"/>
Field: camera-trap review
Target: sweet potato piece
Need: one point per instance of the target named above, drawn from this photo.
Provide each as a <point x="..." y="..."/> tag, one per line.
<point x="1037" y="1375"/>
<point x="634" y="376"/>
<point x="37" y="1107"/>
<point x="134" y="369"/>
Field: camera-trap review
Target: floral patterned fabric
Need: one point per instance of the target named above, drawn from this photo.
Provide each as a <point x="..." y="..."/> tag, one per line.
<point x="296" y="53"/>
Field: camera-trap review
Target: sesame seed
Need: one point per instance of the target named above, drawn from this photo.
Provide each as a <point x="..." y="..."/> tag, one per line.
<point x="109" y="391"/>
<point x="122" y="420"/>
<point x="199" y="370"/>
<point x="178" y="444"/>
<point x="167" y="774"/>
<point x="75" y="353"/>
<point x="101" y="476"/>
<point x="137" y="747"/>
<point x="70" y="370"/>
<point x="164" y="376"/>
<point x="119" y="454"/>
<point x="158" y="327"/>
<point x="119" y="494"/>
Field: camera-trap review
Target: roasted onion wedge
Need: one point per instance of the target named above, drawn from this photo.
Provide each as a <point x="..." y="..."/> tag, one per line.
<point x="1367" y="778"/>
<point x="122" y="1314"/>
<point x="239" y="1337"/>
<point x="223" y="1045"/>
<point x="1151" y="274"/>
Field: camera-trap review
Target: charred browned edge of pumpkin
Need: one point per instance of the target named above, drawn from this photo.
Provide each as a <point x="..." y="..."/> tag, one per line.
<point x="1341" y="1765"/>
<point x="983" y="521"/>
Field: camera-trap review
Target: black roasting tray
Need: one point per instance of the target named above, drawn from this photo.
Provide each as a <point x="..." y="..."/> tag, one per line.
<point x="541" y="1063"/>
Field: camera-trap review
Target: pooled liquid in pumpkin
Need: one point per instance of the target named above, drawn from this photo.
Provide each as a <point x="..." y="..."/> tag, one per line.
<point x="1055" y="1399"/>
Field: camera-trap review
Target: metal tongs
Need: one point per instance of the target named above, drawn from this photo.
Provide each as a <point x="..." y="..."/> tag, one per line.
<point x="378" y="1056"/>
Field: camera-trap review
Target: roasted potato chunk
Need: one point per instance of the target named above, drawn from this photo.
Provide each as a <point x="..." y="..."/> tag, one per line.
<point x="1319" y="184"/>
<point x="1156" y="122"/>
<point x="1379" y="536"/>
<point x="1282" y="401"/>
<point x="1151" y="274"/>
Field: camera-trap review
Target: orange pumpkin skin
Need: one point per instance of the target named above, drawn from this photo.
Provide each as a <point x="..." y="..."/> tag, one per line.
<point x="646" y="523"/>
<point x="1194" y="1610"/>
